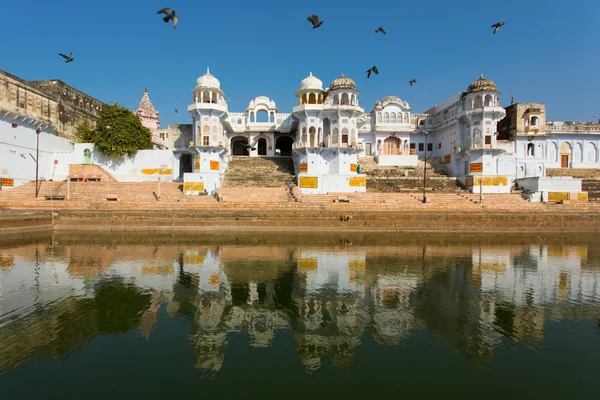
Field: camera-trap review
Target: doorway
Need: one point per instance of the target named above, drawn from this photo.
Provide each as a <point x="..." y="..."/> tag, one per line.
<point x="391" y="145"/>
<point x="564" y="161"/>
<point x="240" y="146"/>
<point x="283" y="146"/>
<point x="367" y="149"/>
<point x="262" y="147"/>
<point x="185" y="164"/>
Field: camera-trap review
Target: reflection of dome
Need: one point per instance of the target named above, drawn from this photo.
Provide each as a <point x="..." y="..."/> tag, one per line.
<point x="342" y="83"/>
<point x="311" y="83"/>
<point x="481" y="84"/>
<point x="207" y="80"/>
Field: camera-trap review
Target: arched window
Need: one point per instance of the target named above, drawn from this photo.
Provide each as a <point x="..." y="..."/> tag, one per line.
<point x="336" y="99"/>
<point x="303" y="99"/>
<point x="400" y="118"/>
<point x="205" y="97"/>
<point x="345" y="99"/>
<point x="590" y="152"/>
<point x="312" y="98"/>
<point x="251" y="116"/>
<point x="386" y="118"/>
<point x="262" y="116"/>
<point x="335" y="137"/>
<point x="392" y="118"/>
<point x="489" y="101"/>
<point x="320" y="138"/>
<point x="345" y="137"/>
<point x="304" y="135"/>
<point x="530" y="150"/>
<point x="312" y="132"/>
<point x="205" y="136"/>
<point x="379" y="117"/>
<point x="353" y="100"/>
<point x="534" y="121"/>
<point x="478" y="102"/>
<point x="320" y="99"/>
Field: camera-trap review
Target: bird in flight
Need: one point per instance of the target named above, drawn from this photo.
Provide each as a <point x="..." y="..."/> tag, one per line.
<point x="169" y="15"/>
<point x="372" y="69"/>
<point x="315" y="21"/>
<point x="497" y="26"/>
<point x="380" y="29"/>
<point x="177" y="110"/>
<point x="69" y="58"/>
<point x="412" y="82"/>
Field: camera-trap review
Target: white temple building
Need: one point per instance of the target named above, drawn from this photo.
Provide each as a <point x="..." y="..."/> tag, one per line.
<point x="485" y="146"/>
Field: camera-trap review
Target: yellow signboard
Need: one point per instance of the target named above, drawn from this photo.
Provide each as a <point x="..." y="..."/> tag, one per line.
<point x="307" y="264"/>
<point x="357" y="181"/>
<point x="193" y="186"/>
<point x="7" y="182"/>
<point x="304" y="167"/>
<point x="311" y="182"/>
<point x="447" y="159"/>
<point x="352" y="167"/>
<point x="476" y="167"/>
<point x="214" y="165"/>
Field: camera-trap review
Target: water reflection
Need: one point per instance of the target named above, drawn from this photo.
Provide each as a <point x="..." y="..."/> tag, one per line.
<point x="55" y="299"/>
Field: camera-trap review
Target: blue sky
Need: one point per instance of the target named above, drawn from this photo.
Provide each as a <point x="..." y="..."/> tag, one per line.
<point x="548" y="51"/>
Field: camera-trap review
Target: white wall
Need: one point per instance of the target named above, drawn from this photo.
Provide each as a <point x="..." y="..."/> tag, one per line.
<point x="143" y="167"/>
<point x="17" y="143"/>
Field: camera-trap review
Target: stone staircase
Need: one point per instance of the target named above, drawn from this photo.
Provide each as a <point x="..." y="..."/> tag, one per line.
<point x="260" y="172"/>
<point x="592" y="186"/>
<point x="103" y="196"/>
<point x="381" y="178"/>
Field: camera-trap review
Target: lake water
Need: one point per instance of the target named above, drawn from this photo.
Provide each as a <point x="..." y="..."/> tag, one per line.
<point x="299" y="316"/>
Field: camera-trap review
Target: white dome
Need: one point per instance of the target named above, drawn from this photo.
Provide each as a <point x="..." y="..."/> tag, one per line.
<point x="311" y="83"/>
<point x="207" y="80"/>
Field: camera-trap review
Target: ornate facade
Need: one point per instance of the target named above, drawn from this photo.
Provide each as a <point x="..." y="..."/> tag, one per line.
<point x="149" y="117"/>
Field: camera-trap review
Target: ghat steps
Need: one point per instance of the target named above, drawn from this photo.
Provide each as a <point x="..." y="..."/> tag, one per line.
<point x="144" y="197"/>
<point x="260" y="172"/>
<point x="381" y="178"/>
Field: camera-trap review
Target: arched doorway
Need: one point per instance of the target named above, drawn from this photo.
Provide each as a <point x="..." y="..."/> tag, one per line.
<point x="284" y="145"/>
<point x="391" y="145"/>
<point x="239" y="146"/>
<point x="262" y="147"/>
<point x="565" y="155"/>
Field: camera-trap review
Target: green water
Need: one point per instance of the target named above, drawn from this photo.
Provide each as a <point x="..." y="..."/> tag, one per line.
<point x="299" y="316"/>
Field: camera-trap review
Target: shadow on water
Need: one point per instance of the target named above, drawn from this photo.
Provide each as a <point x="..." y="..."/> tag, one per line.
<point x="345" y="314"/>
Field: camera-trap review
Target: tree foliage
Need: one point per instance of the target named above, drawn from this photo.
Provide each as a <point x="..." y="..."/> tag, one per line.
<point x="118" y="132"/>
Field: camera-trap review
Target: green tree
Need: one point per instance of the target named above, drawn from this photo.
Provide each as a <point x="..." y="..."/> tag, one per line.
<point x="118" y="132"/>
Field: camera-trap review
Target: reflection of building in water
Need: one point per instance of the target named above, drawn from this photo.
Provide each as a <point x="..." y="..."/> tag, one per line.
<point x="472" y="298"/>
<point x="331" y="314"/>
<point x="526" y="284"/>
<point x="392" y="315"/>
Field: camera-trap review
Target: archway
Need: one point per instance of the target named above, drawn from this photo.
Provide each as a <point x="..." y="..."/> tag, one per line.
<point x="239" y="146"/>
<point x="283" y="146"/>
<point x="391" y="145"/>
<point x="262" y="147"/>
<point x="565" y="155"/>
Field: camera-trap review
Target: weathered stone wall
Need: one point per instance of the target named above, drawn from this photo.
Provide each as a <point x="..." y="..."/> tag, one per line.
<point x="179" y="135"/>
<point x="517" y="120"/>
<point x="21" y="99"/>
<point x="574" y="172"/>
<point x="74" y="106"/>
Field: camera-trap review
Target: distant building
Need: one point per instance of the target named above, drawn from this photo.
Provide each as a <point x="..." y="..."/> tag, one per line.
<point x="149" y="117"/>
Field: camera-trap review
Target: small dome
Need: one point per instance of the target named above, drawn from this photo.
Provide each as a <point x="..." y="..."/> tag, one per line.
<point x="392" y="99"/>
<point x="311" y="83"/>
<point x="342" y="83"/>
<point x="207" y="80"/>
<point x="481" y="85"/>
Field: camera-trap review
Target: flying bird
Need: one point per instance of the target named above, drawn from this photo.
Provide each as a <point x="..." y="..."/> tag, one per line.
<point x="247" y="146"/>
<point x="372" y="69"/>
<point x="177" y="110"/>
<point x="412" y="82"/>
<point x="69" y="58"/>
<point x="169" y="15"/>
<point x="497" y="26"/>
<point x="380" y="29"/>
<point x="315" y="21"/>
